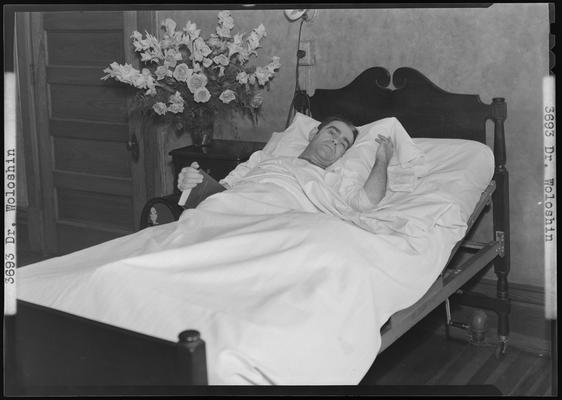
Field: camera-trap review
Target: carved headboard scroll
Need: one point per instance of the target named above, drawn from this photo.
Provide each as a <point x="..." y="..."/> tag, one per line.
<point x="423" y="108"/>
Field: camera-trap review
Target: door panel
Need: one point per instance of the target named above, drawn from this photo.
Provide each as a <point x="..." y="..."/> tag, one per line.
<point x="84" y="48"/>
<point x="65" y="74"/>
<point x="103" y="208"/>
<point x="92" y="156"/>
<point x="93" y="103"/>
<point x="93" y="189"/>
<point x="108" y="132"/>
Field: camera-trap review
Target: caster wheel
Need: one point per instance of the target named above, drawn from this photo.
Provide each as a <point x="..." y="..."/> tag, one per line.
<point x="501" y="350"/>
<point x="478" y="327"/>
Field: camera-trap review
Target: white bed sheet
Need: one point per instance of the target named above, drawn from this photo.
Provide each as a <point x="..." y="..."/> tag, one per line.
<point x="280" y="296"/>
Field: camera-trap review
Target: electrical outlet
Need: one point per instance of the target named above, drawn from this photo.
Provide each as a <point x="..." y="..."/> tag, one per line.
<point x="308" y="47"/>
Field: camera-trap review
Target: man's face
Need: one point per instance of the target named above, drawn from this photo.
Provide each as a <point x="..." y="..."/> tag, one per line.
<point x="330" y="142"/>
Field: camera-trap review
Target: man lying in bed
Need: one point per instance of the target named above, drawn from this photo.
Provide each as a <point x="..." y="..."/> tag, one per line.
<point x="328" y="142"/>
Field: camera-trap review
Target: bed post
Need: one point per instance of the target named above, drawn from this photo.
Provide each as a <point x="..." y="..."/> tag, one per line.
<point x="501" y="219"/>
<point x="192" y="359"/>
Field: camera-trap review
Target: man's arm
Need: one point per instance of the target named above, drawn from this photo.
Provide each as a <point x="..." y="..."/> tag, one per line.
<point x="375" y="186"/>
<point x="242" y="170"/>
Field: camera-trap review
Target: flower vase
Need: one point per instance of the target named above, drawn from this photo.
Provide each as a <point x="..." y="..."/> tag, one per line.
<point x="202" y="128"/>
<point x="202" y="135"/>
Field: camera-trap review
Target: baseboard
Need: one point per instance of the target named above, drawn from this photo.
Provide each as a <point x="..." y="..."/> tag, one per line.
<point x="522" y="293"/>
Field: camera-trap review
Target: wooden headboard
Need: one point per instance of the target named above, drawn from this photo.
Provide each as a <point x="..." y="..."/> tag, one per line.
<point x="423" y="108"/>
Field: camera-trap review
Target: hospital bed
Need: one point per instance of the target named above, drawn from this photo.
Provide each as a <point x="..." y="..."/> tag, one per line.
<point x="49" y="351"/>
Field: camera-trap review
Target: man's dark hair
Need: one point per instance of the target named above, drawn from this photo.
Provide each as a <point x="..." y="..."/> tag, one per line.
<point x="333" y="118"/>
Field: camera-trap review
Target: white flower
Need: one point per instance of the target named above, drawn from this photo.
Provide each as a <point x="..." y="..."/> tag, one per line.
<point x="233" y="49"/>
<point x="275" y="62"/>
<point x="196" y="81"/>
<point x="201" y="95"/>
<point x="182" y="72"/>
<point x="273" y="66"/>
<point x="221" y="72"/>
<point x="171" y="57"/>
<point x="142" y="81"/>
<point x="253" y="41"/>
<point x="146" y="57"/>
<point x="227" y="96"/>
<point x="139" y="43"/>
<point x="207" y="62"/>
<point x="242" y="77"/>
<point x="176" y="108"/>
<point x="235" y="46"/>
<point x="225" y="19"/>
<point x="176" y="98"/>
<point x="197" y="67"/>
<point x="223" y="31"/>
<point x="191" y="30"/>
<point x="123" y="73"/>
<point x="200" y="49"/>
<point x="221" y="59"/>
<point x="166" y="43"/>
<point x="262" y="75"/>
<point x="243" y="55"/>
<point x="238" y="39"/>
<point x="139" y="46"/>
<point x="152" y="46"/>
<point x="160" y="108"/>
<point x="252" y="79"/>
<point x="136" y="35"/>
<point x="214" y="41"/>
<point x="260" y="31"/>
<point x="170" y="26"/>
<point x="185" y="40"/>
<point x="162" y="71"/>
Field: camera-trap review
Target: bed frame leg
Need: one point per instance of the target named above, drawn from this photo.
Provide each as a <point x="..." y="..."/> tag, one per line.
<point x="192" y="359"/>
<point x="502" y="262"/>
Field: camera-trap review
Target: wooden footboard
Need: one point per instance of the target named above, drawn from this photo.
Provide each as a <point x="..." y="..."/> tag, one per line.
<point x="50" y="352"/>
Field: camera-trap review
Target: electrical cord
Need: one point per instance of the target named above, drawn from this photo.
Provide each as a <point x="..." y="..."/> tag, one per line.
<point x="300" y="54"/>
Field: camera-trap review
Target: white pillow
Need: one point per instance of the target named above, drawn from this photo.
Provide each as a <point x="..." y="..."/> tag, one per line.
<point x="357" y="162"/>
<point x="457" y="170"/>
<point x="292" y="141"/>
<point x="462" y="169"/>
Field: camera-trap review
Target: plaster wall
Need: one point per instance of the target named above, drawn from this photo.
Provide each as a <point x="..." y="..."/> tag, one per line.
<point x="500" y="51"/>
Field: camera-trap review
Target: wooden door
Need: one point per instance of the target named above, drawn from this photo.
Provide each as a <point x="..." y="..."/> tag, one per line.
<point x="93" y="188"/>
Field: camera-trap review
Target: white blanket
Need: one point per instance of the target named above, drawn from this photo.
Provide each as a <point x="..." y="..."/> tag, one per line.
<point x="280" y="296"/>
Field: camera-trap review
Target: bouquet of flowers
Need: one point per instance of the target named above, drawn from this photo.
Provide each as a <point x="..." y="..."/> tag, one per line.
<point x="188" y="80"/>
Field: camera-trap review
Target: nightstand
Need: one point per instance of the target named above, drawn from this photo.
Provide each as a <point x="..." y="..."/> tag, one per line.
<point x="218" y="159"/>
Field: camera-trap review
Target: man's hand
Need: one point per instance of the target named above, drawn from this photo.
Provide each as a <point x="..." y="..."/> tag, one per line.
<point x="385" y="150"/>
<point x="189" y="177"/>
<point x="375" y="186"/>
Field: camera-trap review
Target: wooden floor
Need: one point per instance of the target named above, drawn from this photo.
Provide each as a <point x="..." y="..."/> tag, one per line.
<point x="425" y="356"/>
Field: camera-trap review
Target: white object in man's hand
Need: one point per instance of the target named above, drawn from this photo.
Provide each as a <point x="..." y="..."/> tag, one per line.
<point x="188" y="178"/>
